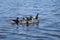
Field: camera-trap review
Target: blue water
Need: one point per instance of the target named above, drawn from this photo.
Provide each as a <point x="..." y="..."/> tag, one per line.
<point x="49" y="19"/>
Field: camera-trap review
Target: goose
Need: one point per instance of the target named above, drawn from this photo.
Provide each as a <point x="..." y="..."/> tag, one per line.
<point x="30" y="19"/>
<point x="15" y="21"/>
<point x="35" y="19"/>
<point x="23" y="21"/>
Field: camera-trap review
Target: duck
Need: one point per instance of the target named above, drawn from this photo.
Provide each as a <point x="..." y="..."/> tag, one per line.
<point x="16" y="21"/>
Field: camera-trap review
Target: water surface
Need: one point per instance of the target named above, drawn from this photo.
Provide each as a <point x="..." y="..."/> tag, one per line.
<point x="47" y="29"/>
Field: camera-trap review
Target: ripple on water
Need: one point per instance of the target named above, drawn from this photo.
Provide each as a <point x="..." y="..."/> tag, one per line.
<point x="53" y="35"/>
<point x="3" y="36"/>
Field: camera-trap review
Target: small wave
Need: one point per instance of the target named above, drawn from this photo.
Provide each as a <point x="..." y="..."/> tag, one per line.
<point x="56" y="30"/>
<point x="3" y="36"/>
<point x="54" y="35"/>
<point x="33" y="36"/>
<point x="26" y="35"/>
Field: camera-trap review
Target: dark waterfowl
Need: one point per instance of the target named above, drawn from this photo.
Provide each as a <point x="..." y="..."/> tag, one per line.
<point x="29" y="19"/>
<point x="15" y="21"/>
<point x="36" y="17"/>
<point x="23" y="21"/>
<point x="23" y="18"/>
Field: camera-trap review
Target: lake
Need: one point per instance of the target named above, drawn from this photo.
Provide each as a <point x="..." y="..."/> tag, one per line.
<point x="48" y="27"/>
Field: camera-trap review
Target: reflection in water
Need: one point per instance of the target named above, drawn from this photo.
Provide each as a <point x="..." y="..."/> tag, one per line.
<point x="2" y="36"/>
<point x="33" y="24"/>
<point x="27" y="25"/>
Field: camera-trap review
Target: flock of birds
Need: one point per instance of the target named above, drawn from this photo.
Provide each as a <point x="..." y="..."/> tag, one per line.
<point x="26" y="20"/>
